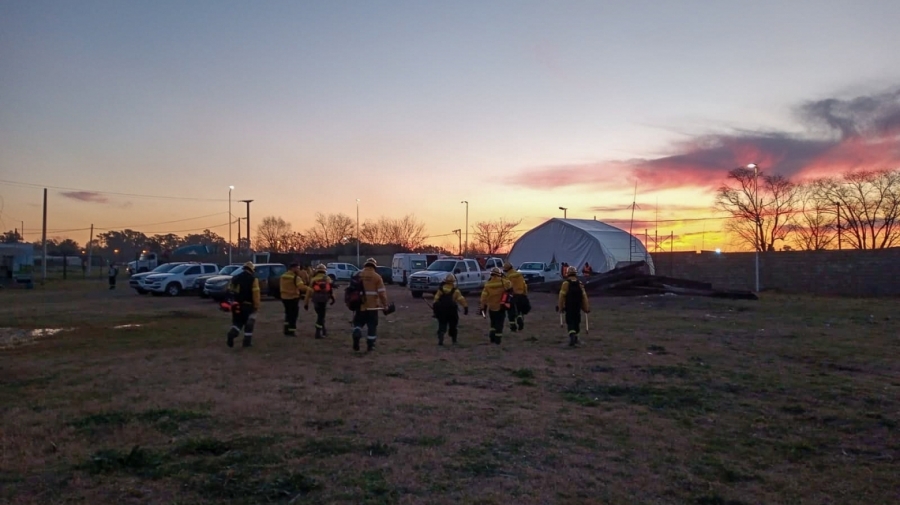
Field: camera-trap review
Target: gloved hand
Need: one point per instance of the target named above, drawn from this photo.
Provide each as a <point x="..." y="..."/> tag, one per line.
<point x="306" y="306"/>
<point x="484" y="308"/>
<point x="556" y="309"/>
<point x="252" y="317"/>
<point x="465" y="311"/>
<point x="588" y="311"/>
<point x="332" y="300"/>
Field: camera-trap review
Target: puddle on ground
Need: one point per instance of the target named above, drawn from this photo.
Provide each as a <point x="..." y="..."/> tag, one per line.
<point x="15" y="337"/>
<point x="127" y="326"/>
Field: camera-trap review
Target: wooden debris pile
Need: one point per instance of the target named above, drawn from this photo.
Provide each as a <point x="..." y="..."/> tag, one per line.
<point x="634" y="280"/>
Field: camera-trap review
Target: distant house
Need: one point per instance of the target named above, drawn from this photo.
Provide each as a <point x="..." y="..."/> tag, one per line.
<point x="16" y="263"/>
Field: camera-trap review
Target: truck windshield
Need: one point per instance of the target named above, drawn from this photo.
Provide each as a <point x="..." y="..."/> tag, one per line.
<point x="532" y="266"/>
<point x="164" y="268"/>
<point x="442" y="266"/>
<point x="178" y="269"/>
<point x="146" y="257"/>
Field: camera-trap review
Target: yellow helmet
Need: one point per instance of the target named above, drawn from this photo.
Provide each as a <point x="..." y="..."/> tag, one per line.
<point x="571" y="271"/>
<point x="249" y="266"/>
<point x="371" y="263"/>
<point x="451" y="279"/>
<point x="507" y="266"/>
<point x="321" y="268"/>
<point x="496" y="271"/>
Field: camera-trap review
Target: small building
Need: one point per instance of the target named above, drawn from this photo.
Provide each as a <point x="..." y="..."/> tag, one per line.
<point x="16" y="263"/>
<point x="576" y="241"/>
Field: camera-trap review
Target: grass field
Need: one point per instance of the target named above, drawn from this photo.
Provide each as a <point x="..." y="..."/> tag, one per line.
<point x="669" y="400"/>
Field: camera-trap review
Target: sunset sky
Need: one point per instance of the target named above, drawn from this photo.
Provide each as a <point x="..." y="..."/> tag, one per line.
<point x="519" y="107"/>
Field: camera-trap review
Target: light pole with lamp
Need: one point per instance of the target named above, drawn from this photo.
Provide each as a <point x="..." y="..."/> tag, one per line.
<point x="230" y="224"/>
<point x="467" y="226"/>
<point x="459" y="236"/>
<point x="357" y="233"/>
<point x="758" y="240"/>
<point x="565" y="213"/>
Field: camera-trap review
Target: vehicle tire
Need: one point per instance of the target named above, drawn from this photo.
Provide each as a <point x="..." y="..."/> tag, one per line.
<point x="333" y="278"/>
<point x="173" y="289"/>
<point x="141" y="291"/>
<point x="203" y="295"/>
<point x="154" y="293"/>
<point x="416" y="294"/>
<point x="142" y="270"/>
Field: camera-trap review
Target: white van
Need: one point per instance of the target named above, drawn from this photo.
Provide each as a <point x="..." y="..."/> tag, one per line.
<point x="405" y="264"/>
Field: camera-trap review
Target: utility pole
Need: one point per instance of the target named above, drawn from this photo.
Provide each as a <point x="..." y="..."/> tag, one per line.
<point x="44" y="240"/>
<point x="90" y="250"/>
<point x="230" y="224"/>
<point x="467" y="226"/>
<point x="839" y="224"/>
<point x="459" y="236"/>
<point x="357" y="233"/>
<point x="249" y="249"/>
<point x="239" y="234"/>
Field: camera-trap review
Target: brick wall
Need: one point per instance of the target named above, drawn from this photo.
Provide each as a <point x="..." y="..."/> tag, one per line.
<point x="850" y="272"/>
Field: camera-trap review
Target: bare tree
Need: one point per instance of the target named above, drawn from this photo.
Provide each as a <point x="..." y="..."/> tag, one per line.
<point x="406" y="232"/>
<point x="761" y="213"/>
<point x="376" y="232"/>
<point x="868" y="202"/>
<point x="273" y="234"/>
<point x="494" y="236"/>
<point x="330" y="230"/>
<point x="814" y="227"/>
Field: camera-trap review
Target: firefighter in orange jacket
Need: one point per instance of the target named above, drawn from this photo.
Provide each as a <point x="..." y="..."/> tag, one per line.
<point x="292" y="288"/>
<point x="520" y="304"/>
<point x="375" y="299"/>
<point x="244" y="291"/>
<point x="495" y="300"/>
<point x="572" y="301"/>
<point x="587" y="271"/>
<point x="321" y="293"/>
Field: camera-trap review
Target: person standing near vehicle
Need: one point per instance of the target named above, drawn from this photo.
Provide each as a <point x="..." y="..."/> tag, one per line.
<point x="373" y="299"/>
<point x="321" y="293"/>
<point x="587" y="271"/>
<point x="495" y="301"/>
<point x="112" y="274"/>
<point x="572" y="300"/>
<point x="520" y="306"/>
<point x="244" y="292"/>
<point x="446" y="308"/>
<point x="292" y="286"/>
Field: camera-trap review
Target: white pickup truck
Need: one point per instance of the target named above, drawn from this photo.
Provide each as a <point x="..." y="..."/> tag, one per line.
<point x="178" y="279"/>
<point x="340" y="271"/>
<point x="469" y="276"/>
<point x="536" y="271"/>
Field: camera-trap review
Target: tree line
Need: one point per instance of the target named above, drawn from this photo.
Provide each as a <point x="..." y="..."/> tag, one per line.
<point x="856" y="210"/>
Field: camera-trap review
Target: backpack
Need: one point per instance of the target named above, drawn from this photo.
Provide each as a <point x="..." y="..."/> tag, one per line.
<point x="574" y="296"/>
<point x="355" y="294"/>
<point x="321" y="290"/>
<point x="446" y="305"/>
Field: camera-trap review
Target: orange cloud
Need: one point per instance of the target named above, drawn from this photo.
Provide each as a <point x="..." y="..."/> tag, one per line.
<point x="842" y="135"/>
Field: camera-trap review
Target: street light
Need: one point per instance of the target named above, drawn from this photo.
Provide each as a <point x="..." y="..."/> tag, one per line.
<point x="467" y="226"/>
<point x="230" y="224"/>
<point x="564" y="209"/>
<point x="357" y="233"/>
<point x="459" y="236"/>
<point x="758" y="243"/>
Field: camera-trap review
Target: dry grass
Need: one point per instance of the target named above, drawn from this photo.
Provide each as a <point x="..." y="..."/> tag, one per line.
<point x="669" y="400"/>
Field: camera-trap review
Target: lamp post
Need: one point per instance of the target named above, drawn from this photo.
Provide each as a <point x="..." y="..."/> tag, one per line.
<point x="230" y="224"/>
<point x="249" y="250"/>
<point x="565" y="213"/>
<point x="459" y="236"/>
<point x="758" y="240"/>
<point x="357" y="233"/>
<point x="467" y="226"/>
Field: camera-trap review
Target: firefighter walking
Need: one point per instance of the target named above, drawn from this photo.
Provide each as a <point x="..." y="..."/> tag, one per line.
<point x="244" y="292"/>
<point x="572" y="301"/>
<point x="520" y="305"/>
<point x="495" y="300"/>
<point x="373" y="299"/>
<point x="292" y="287"/>
<point x="321" y="293"/>
<point x="446" y="308"/>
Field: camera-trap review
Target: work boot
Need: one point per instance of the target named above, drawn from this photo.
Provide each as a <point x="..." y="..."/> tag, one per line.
<point x="497" y="339"/>
<point x="493" y="337"/>
<point x="356" y="336"/>
<point x="324" y="331"/>
<point x="440" y="338"/>
<point x="520" y="322"/>
<point x="287" y="329"/>
<point x="318" y="333"/>
<point x="246" y="342"/>
<point x="512" y="327"/>
<point x="453" y="338"/>
<point x="573" y="339"/>
<point x="232" y="334"/>
<point x="370" y="344"/>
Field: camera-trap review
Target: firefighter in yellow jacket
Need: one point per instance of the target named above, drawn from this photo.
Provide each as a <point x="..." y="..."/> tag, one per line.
<point x="244" y="294"/>
<point x="292" y="288"/>
<point x="572" y="301"/>
<point x="495" y="300"/>
<point x="366" y="311"/>
<point x="321" y="294"/>
<point x="446" y="308"/>
<point x="520" y="306"/>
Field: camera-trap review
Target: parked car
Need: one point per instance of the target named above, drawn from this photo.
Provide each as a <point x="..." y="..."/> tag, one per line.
<point x="177" y="280"/>
<point x="536" y="271"/>
<point x="341" y="271"/>
<point x="385" y="273"/>
<point x="268" y="274"/>
<point x="136" y="280"/>
<point x="469" y="276"/>
<point x="200" y="282"/>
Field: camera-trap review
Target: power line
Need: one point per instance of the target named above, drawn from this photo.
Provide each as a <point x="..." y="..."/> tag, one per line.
<point x="112" y="193"/>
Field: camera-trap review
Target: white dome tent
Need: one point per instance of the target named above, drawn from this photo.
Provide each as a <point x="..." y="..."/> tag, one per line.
<point x="576" y="241"/>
